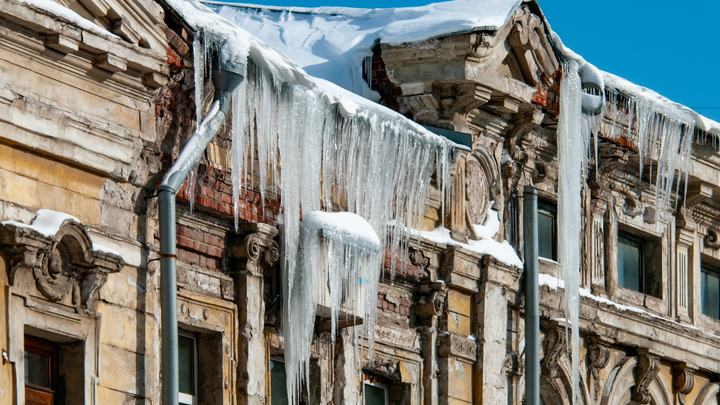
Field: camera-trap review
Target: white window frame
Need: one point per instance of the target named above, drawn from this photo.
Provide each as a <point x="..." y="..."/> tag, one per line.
<point x="187" y="399"/>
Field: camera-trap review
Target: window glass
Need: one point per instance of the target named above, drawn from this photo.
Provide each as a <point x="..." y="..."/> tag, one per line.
<point x="546" y="234"/>
<point x="629" y="263"/>
<point x="278" y="389"/>
<point x="37" y="369"/>
<point x="186" y="366"/>
<point x="710" y="291"/>
<point x="374" y="395"/>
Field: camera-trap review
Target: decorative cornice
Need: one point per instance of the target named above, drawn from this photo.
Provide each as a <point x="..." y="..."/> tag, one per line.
<point x="255" y="243"/>
<point x="64" y="266"/>
<point x="696" y="193"/>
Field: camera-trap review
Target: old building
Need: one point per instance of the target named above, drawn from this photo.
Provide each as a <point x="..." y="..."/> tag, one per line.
<point x="99" y="98"/>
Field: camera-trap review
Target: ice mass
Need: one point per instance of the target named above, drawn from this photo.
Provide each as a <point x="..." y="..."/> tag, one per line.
<point x="353" y="176"/>
<point x="333" y="143"/>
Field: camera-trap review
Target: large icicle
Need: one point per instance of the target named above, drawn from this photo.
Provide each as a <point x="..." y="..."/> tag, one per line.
<point x="572" y="152"/>
<point x="370" y="164"/>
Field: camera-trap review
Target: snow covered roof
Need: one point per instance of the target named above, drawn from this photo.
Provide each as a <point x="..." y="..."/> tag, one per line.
<point x="329" y="42"/>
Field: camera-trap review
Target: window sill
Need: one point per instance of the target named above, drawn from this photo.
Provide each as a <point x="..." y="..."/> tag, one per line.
<point x="653" y="305"/>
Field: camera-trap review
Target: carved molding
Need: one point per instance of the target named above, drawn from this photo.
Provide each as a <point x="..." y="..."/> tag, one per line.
<point x="256" y="248"/>
<point x="648" y="367"/>
<point x="64" y="267"/>
<point x="553" y="347"/>
<point x="598" y="356"/>
<point x="712" y="240"/>
<point x="610" y="157"/>
<point x="525" y="122"/>
<point x="418" y="258"/>
<point x="430" y="301"/>
<point x="696" y="193"/>
<point x="683" y="381"/>
<point x="457" y="346"/>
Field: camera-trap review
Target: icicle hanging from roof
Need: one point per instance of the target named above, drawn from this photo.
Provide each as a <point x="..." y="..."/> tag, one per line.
<point x="368" y="164"/>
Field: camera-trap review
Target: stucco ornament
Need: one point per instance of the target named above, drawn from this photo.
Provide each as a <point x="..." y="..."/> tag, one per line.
<point x="64" y="266"/>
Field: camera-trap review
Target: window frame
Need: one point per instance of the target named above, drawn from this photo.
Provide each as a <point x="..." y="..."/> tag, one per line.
<point x="548" y="208"/>
<point x="46" y="348"/>
<point x="638" y="242"/>
<point x="376" y="384"/>
<point x="707" y="268"/>
<point x="183" y="398"/>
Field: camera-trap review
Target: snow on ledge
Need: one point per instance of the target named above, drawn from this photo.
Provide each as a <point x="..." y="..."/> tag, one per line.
<point x="503" y="252"/>
<point x="69" y="15"/>
<point x="48" y="223"/>
<point x="346" y="225"/>
<point x="555" y="283"/>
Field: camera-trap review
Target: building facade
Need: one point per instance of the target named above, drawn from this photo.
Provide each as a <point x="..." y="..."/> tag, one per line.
<point x="98" y="101"/>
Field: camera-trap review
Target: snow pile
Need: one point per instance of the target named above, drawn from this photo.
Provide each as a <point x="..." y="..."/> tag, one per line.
<point x="48" y="224"/>
<point x="502" y="251"/>
<point x="331" y="42"/>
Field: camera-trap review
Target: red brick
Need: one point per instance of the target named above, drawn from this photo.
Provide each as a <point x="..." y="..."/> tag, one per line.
<point x="188" y="257"/>
<point x="214" y="252"/>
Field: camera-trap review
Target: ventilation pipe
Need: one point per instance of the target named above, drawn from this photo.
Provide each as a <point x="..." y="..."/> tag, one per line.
<point x="226" y="79"/>
<point x="532" y="299"/>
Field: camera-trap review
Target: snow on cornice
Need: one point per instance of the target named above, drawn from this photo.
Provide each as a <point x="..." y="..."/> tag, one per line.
<point x="66" y="14"/>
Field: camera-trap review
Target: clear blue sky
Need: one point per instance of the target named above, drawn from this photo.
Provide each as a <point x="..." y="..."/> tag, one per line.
<point x="672" y="47"/>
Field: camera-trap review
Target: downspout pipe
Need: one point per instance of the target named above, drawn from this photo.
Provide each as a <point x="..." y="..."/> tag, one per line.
<point x="226" y="79"/>
<point x="532" y="297"/>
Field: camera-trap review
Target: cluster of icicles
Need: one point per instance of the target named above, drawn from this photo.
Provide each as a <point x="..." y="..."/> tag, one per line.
<point x="290" y="138"/>
<point x="660" y="135"/>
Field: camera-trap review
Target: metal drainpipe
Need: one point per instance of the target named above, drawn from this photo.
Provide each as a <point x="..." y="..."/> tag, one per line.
<point x="532" y="299"/>
<point x="225" y="80"/>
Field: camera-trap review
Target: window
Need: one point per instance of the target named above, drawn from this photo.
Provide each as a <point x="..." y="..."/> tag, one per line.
<point x="638" y="262"/>
<point x="547" y="230"/>
<point x="187" y="368"/>
<point x="41" y="370"/>
<point x="278" y="388"/>
<point x="710" y="290"/>
<point x="375" y="394"/>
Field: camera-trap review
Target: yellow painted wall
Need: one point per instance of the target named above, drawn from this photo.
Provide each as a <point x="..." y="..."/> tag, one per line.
<point x="36" y="182"/>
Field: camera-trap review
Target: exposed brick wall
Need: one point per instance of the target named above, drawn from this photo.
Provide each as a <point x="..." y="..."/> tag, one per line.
<point x="402" y="307"/>
<point x="380" y="82"/>
<point x="548" y="92"/>
<point x="201" y="248"/>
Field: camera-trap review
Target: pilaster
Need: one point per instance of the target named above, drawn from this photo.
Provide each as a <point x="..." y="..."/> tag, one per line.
<point x="252" y="252"/>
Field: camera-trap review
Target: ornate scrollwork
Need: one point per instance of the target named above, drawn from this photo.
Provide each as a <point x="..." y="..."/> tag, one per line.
<point x="64" y="267"/>
<point x="712" y="240"/>
<point x="695" y="194"/>
<point x="683" y="381"/>
<point x="597" y="357"/>
<point x="255" y="247"/>
<point x="648" y="367"/>
<point x="611" y="157"/>
<point x="553" y="346"/>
